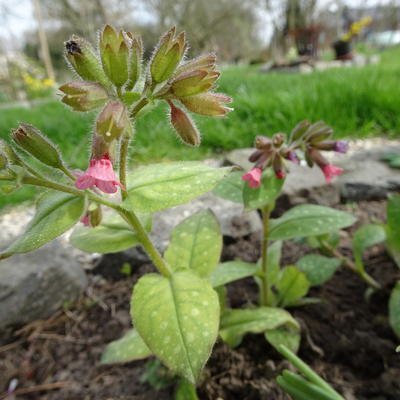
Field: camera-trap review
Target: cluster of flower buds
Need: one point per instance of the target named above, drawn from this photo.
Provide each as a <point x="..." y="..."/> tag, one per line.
<point x="114" y="78"/>
<point x="308" y="138"/>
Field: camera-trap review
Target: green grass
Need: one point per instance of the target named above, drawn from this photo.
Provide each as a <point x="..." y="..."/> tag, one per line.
<point x="356" y="102"/>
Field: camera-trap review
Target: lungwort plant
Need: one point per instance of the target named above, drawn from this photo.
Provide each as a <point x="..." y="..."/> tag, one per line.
<point x="175" y="311"/>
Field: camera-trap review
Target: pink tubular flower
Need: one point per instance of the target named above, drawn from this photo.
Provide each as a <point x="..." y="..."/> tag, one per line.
<point x="100" y="173"/>
<point x="330" y="171"/>
<point x="253" y="177"/>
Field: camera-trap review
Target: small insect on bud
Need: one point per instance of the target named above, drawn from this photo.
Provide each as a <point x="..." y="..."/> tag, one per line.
<point x="194" y="82"/>
<point x="113" y="121"/>
<point x="184" y="126"/>
<point x="84" y="61"/>
<point x="83" y="96"/>
<point x="167" y="56"/>
<point x="114" y="53"/>
<point x="35" y="143"/>
<point x="207" y="104"/>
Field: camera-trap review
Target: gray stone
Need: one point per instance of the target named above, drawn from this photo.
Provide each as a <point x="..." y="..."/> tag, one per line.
<point x="367" y="179"/>
<point x="233" y="220"/>
<point x="35" y="285"/>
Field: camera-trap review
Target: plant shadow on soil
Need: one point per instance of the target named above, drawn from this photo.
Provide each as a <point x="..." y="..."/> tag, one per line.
<point x="345" y="338"/>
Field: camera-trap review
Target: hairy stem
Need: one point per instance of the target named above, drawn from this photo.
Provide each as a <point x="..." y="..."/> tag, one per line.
<point x="264" y="255"/>
<point x="123" y="163"/>
<point x="146" y="242"/>
<point x="350" y="264"/>
<point x="143" y="102"/>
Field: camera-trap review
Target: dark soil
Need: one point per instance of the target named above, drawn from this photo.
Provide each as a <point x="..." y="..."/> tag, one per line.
<point x="346" y="338"/>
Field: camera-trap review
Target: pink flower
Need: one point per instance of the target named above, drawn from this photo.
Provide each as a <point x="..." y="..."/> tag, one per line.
<point x="253" y="177"/>
<point x="85" y="220"/>
<point x="330" y="171"/>
<point x="100" y="173"/>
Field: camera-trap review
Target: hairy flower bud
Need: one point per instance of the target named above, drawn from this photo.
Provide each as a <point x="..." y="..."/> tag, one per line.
<point x="113" y="121"/>
<point x="35" y="143"/>
<point x="263" y="143"/>
<point x="167" y="56"/>
<point x="207" y="104"/>
<point x="278" y="139"/>
<point x="135" y="60"/>
<point x="194" y="82"/>
<point x="3" y="161"/>
<point x="184" y="126"/>
<point x="299" y="130"/>
<point x="203" y="62"/>
<point x="318" y="132"/>
<point x="114" y="53"/>
<point x="83" y="96"/>
<point x="9" y="152"/>
<point x="93" y="216"/>
<point x="84" y="61"/>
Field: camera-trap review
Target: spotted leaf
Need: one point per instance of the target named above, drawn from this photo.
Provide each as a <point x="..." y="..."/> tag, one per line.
<point x="160" y="186"/>
<point x="196" y="243"/>
<point x="309" y="220"/>
<point x="130" y="347"/>
<point x="178" y="319"/>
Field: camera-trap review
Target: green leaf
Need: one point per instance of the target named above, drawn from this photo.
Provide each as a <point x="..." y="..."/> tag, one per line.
<point x="231" y="187"/>
<point x="55" y="213"/>
<point x="393" y="228"/>
<point x="268" y="191"/>
<point x="185" y="391"/>
<point x="282" y="335"/>
<point x="111" y="236"/>
<point x="178" y="319"/>
<point x="394" y="309"/>
<point x="236" y="323"/>
<point x="232" y="271"/>
<point x="130" y="347"/>
<point x="160" y="186"/>
<point x="364" y="237"/>
<point x="309" y="220"/>
<point x="196" y="243"/>
<point x="318" y="269"/>
<point x="292" y="286"/>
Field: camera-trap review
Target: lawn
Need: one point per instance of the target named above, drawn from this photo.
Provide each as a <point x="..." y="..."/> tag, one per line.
<point x="356" y="102"/>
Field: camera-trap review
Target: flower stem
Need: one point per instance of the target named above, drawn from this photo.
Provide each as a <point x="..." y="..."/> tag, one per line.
<point x="145" y="240"/>
<point x="350" y="264"/>
<point x="123" y="163"/>
<point x="264" y="255"/>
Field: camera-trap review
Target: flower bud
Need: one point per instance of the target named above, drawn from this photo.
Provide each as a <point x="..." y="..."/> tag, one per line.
<point x="318" y="132"/>
<point x="3" y="161"/>
<point x="135" y="60"/>
<point x="83" y="96"/>
<point x="278" y="167"/>
<point x="113" y="121"/>
<point x="203" y="62"/>
<point x="299" y="130"/>
<point x="9" y="152"/>
<point x="278" y="139"/>
<point x="84" y="61"/>
<point x="194" y="82"/>
<point x="207" y="104"/>
<point x="167" y="56"/>
<point x="35" y="143"/>
<point x="263" y="143"/>
<point x="184" y="126"/>
<point x="114" y="55"/>
<point x="93" y="216"/>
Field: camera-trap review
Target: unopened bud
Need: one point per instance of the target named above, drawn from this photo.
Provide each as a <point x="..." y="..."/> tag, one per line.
<point x="35" y="143"/>
<point x="203" y="62"/>
<point x="113" y="121"/>
<point x="93" y="216"/>
<point x="83" y="96"/>
<point x="3" y="161"/>
<point x="84" y="61"/>
<point x="278" y="167"/>
<point x="194" y="82"/>
<point x="184" y="126"/>
<point x="9" y="152"/>
<point x="207" y="104"/>
<point x="167" y="56"/>
<point x="318" y="132"/>
<point x="278" y="139"/>
<point x="263" y="143"/>
<point x="135" y="60"/>
<point x="114" y="55"/>
<point x="299" y="130"/>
